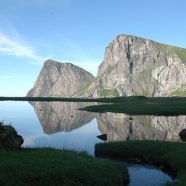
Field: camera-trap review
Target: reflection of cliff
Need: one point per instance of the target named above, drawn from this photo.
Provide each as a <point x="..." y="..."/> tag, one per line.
<point x="171" y="125"/>
<point x="124" y="127"/>
<point x="60" y="116"/>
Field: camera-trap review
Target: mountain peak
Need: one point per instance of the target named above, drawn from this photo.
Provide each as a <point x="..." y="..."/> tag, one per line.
<point x="132" y="66"/>
<point x="60" y="79"/>
<point x="136" y="66"/>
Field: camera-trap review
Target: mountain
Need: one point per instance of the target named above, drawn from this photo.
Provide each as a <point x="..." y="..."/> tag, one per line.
<point x="137" y="66"/>
<point x="131" y="66"/>
<point x="60" y="79"/>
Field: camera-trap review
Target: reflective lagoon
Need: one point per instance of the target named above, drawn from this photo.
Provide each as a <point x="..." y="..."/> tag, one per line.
<point x="60" y="125"/>
<point x="56" y="125"/>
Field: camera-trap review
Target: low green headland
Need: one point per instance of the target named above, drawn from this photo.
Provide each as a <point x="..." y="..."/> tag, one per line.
<point x="136" y="105"/>
<point x="165" y="109"/>
<point x="121" y="99"/>
<point x="78" y="99"/>
<point x="170" y="156"/>
<point x="58" y="167"/>
<point x="141" y="105"/>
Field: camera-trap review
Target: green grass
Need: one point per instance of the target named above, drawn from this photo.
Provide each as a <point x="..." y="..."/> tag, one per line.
<point x="145" y="78"/>
<point x="57" y="167"/>
<point x="170" y="156"/>
<point x="69" y="99"/>
<point x="109" y="93"/>
<point x="137" y="105"/>
<point x="181" y="91"/>
<point x="181" y="52"/>
<point x="121" y="99"/>
<point x="73" y="99"/>
<point x="48" y="99"/>
<point x="171" y="109"/>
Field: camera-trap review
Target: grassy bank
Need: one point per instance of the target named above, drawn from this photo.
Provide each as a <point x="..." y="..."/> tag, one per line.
<point x="126" y="99"/>
<point x="165" y="109"/>
<point x="169" y="156"/>
<point x="57" y="167"/>
<point x="133" y="105"/>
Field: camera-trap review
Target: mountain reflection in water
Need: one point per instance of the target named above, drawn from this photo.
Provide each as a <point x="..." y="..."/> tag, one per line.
<point x="56" y="116"/>
<point x="69" y="128"/>
<point x="124" y="127"/>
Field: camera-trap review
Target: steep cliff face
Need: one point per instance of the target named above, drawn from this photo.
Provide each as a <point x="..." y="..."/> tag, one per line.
<point x="60" y="79"/>
<point x="137" y="66"/>
<point x="132" y="66"/>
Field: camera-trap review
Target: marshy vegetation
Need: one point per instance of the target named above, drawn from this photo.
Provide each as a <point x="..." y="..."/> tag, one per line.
<point x="164" y="109"/>
<point x="136" y="105"/>
<point x="45" y="166"/>
<point x="140" y="105"/>
<point x="58" y="167"/>
<point x="121" y="99"/>
<point x="55" y="167"/>
<point x="169" y="156"/>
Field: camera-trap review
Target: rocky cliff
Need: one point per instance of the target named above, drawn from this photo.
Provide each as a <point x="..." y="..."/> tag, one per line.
<point x="137" y="66"/>
<point x="60" y="79"/>
<point x="132" y="66"/>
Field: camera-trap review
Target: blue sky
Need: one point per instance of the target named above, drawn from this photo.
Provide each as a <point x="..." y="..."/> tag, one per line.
<point x="76" y="31"/>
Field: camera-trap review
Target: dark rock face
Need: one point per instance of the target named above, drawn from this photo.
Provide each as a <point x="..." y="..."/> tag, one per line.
<point x="60" y="79"/>
<point x="9" y="137"/>
<point x="182" y="135"/>
<point x="102" y="137"/>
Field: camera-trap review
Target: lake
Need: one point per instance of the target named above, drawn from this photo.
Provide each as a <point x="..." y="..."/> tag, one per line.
<point x="60" y="125"/>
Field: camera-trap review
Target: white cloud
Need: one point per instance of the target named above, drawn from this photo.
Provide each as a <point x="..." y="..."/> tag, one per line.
<point x="12" y="47"/>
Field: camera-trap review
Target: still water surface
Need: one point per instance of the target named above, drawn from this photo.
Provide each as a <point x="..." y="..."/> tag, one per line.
<point x="62" y="126"/>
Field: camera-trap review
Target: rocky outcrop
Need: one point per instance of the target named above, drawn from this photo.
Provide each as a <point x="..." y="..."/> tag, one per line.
<point x="137" y="66"/>
<point x="182" y="135"/>
<point x="121" y="127"/>
<point x="132" y="66"/>
<point x="60" y="79"/>
<point x="57" y="116"/>
<point x="9" y="137"/>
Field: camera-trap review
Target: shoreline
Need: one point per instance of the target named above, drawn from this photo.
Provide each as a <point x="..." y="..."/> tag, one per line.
<point x="168" y="156"/>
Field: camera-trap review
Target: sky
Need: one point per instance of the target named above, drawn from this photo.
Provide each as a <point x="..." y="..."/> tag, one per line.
<point x="77" y="31"/>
